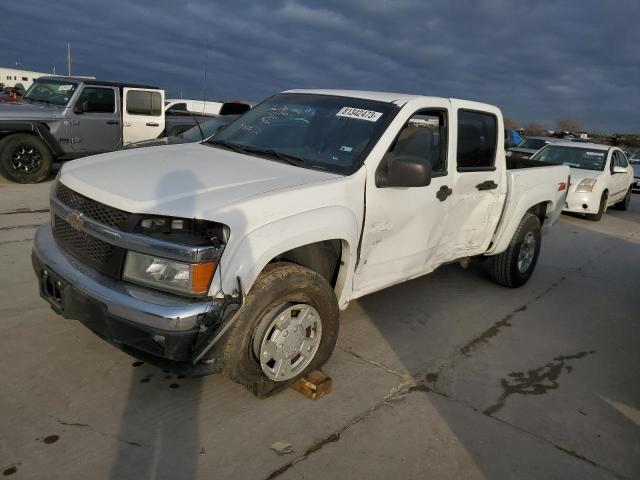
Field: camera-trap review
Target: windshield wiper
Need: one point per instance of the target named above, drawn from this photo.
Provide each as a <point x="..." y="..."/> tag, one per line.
<point x="228" y="145"/>
<point x="286" y="157"/>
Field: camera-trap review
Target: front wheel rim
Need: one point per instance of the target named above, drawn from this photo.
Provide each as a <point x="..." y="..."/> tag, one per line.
<point x="527" y="251"/>
<point x="287" y="339"/>
<point x="26" y="158"/>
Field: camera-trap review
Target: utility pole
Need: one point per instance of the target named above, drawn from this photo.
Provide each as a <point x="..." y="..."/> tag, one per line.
<point x="68" y="59"/>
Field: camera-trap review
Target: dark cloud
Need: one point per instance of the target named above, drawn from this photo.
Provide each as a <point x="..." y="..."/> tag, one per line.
<point x="537" y="60"/>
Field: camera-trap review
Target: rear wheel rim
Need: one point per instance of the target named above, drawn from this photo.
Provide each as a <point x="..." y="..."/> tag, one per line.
<point x="287" y="339"/>
<point x="26" y="158"/>
<point x="527" y="251"/>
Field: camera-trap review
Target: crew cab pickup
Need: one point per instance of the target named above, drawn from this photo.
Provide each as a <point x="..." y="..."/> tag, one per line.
<point x="236" y="255"/>
<point x="61" y="118"/>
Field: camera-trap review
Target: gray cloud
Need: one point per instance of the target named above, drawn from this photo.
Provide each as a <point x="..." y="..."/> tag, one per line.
<point x="537" y="60"/>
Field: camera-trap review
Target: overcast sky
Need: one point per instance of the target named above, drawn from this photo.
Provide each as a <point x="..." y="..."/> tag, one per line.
<point x="537" y="60"/>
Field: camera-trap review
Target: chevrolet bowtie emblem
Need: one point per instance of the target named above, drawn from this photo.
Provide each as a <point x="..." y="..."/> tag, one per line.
<point x="75" y="220"/>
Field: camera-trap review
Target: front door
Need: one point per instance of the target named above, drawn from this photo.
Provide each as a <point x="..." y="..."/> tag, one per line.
<point x="95" y="121"/>
<point x="619" y="181"/>
<point x="143" y="114"/>
<point x="403" y="227"/>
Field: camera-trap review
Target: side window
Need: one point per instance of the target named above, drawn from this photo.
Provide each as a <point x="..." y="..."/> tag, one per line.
<point x="97" y="100"/>
<point x="178" y="107"/>
<point x="424" y="136"/>
<point x="615" y="162"/>
<point x="623" y="159"/>
<point x="477" y="138"/>
<point x="144" y="103"/>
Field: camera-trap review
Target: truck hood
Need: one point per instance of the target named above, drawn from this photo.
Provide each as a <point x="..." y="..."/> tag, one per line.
<point x="29" y="111"/>
<point x="188" y="180"/>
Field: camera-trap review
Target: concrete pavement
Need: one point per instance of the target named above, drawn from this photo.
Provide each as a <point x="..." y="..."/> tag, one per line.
<point x="446" y="376"/>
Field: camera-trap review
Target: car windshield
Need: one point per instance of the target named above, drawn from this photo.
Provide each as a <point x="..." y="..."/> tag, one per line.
<point x="573" y="157"/>
<point x="208" y="127"/>
<point x="54" y="92"/>
<point x="532" y="143"/>
<point x="314" y="131"/>
<point x="633" y="155"/>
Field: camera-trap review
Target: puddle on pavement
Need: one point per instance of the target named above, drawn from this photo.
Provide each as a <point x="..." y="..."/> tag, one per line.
<point x="534" y="382"/>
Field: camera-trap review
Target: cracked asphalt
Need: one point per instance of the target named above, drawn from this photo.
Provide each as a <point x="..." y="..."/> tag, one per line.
<point x="446" y="376"/>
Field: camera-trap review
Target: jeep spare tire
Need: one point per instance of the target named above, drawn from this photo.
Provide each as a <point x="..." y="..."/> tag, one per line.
<point x="25" y="158"/>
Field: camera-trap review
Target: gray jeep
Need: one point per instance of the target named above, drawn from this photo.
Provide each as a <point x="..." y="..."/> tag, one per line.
<point x="62" y="118"/>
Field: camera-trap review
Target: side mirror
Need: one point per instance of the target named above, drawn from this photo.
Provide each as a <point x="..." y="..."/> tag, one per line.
<point x="619" y="169"/>
<point x="81" y="107"/>
<point x="403" y="171"/>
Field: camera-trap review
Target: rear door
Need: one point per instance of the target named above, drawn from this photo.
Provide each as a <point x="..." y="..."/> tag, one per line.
<point x="95" y="120"/>
<point x="142" y="115"/>
<point x="479" y="182"/>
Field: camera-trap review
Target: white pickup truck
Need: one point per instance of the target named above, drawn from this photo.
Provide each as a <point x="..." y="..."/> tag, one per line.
<point x="236" y="255"/>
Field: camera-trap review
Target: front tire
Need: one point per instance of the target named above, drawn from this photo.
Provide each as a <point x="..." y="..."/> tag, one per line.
<point x="288" y="327"/>
<point x="601" y="209"/>
<point x="25" y="158"/>
<point x="513" y="267"/>
<point x="624" y="204"/>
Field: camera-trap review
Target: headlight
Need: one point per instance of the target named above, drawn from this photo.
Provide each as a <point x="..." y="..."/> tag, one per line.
<point x="586" y="185"/>
<point x="178" y="277"/>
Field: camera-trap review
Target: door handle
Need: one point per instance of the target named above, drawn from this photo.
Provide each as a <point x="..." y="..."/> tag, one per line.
<point x="152" y="124"/>
<point x="443" y="193"/>
<point x="488" y="185"/>
<point x="112" y="122"/>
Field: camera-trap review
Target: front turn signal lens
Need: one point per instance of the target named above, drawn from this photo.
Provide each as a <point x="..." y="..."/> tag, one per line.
<point x="201" y="274"/>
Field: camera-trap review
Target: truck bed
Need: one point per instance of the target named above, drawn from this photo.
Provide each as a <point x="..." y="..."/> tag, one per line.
<point x="517" y="163"/>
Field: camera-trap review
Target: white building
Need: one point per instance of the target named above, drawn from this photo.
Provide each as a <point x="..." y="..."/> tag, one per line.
<point x="10" y="76"/>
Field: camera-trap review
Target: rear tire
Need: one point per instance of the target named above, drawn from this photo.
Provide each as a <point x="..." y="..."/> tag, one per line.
<point x="595" y="217"/>
<point x="280" y="290"/>
<point x="25" y="158"/>
<point x="513" y="267"/>
<point x="624" y="204"/>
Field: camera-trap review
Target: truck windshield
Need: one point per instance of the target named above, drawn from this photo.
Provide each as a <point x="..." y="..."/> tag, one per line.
<point x="313" y="131"/>
<point x="53" y="92"/>
<point x="575" y="157"/>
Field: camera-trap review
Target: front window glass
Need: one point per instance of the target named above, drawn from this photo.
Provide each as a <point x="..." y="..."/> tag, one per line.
<point x="314" y="131"/>
<point x="576" y="157"/>
<point x="53" y="92"/>
<point x="532" y="143"/>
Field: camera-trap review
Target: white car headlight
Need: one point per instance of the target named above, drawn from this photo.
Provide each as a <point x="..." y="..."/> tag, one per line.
<point x="586" y="185"/>
<point x="184" y="278"/>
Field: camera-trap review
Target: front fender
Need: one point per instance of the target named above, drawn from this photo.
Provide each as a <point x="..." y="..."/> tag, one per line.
<point x="8" y="127"/>
<point x="246" y="257"/>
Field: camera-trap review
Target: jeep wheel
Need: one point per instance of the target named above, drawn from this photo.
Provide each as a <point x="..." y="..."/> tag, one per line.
<point x="288" y="327"/>
<point x="25" y="158"/>
<point x="513" y="267"/>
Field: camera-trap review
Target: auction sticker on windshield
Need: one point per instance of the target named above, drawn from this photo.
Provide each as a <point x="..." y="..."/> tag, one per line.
<point x="64" y="88"/>
<point x="359" y="113"/>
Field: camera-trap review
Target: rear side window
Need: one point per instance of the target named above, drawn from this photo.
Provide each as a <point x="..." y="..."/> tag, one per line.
<point x="97" y="100"/>
<point x="144" y="103"/>
<point x="477" y="139"/>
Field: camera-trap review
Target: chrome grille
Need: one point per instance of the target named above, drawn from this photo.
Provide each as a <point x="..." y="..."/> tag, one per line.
<point x="95" y="210"/>
<point x="82" y="246"/>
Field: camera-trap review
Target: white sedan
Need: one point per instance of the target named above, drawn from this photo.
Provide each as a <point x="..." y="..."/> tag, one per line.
<point x="600" y="176"/>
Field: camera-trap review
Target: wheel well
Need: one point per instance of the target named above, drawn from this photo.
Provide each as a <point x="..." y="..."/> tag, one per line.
<point x="323" y="257"/>
<point x="540" y="211"/>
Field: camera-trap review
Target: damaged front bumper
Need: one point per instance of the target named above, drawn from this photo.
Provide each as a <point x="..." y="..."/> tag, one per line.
<point x="163" y="329"/>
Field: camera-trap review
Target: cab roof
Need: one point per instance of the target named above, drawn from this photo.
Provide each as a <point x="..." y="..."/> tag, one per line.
<point x="587" y="145"/>
<point x="89" y="81"/>
<point x="387" y="97"/>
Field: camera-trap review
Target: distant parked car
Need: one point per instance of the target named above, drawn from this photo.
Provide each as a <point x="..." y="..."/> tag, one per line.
<point x="600" y="176"/>
<point x="206" y="129"/>
<point x="529" y="146"/>
<point x="633" y="154"/>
